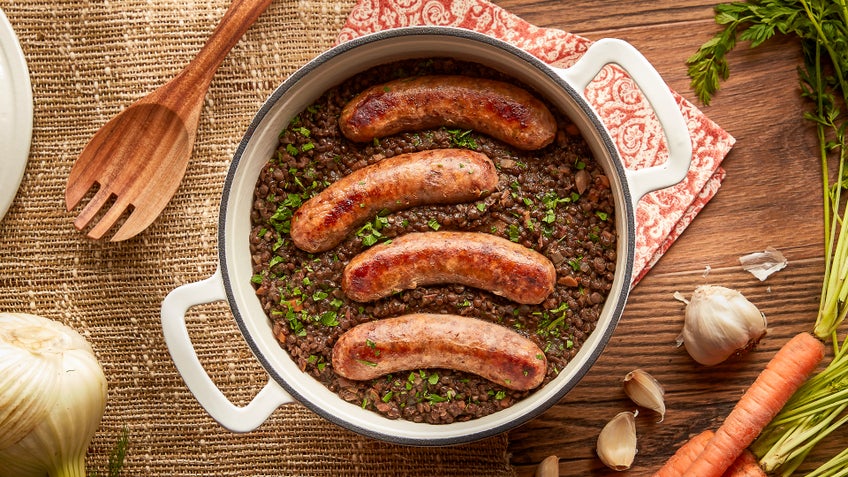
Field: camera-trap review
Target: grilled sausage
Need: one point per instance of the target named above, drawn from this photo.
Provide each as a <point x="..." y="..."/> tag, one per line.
<point x="498" y="109"/>
<point x="427" y="258"/>
<point x="438" y="176"/>
<point x="422" y="341"/>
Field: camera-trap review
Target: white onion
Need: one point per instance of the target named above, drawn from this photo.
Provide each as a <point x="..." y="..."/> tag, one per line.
<point x="52" y="397"/>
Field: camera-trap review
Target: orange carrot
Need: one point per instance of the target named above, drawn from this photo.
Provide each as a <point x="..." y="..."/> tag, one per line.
<point x="786" y="371"/>
<point x="685" y="455"/>
<point x="746" y="465"/>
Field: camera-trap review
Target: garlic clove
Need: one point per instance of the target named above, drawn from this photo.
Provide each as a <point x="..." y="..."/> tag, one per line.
<point x="616" y="445"/>
<point x="644" y="390"/>
<point x="720" y="322"/>
<point x="548" y="467"/>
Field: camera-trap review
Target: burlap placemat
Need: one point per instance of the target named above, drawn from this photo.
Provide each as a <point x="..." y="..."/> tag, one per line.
<point x="87" y="60"/>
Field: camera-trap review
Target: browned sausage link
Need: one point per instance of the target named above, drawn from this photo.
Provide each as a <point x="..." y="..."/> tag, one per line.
<point x="426" y="341"/>
<point x="427" y="258"/>
<point x="501" y="110"/>
<point x="438" y="176"/>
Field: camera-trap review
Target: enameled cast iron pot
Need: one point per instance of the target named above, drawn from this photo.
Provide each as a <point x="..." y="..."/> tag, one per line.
<point x="231" y="282"/>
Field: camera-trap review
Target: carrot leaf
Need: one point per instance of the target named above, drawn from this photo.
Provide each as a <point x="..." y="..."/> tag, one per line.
<point x="820" y="406"/>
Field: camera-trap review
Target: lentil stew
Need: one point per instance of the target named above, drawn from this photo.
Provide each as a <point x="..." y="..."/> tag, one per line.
<point x="556" y="200"/>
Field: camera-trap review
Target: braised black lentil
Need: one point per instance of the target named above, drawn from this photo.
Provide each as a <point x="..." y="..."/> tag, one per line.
<point x="556" y="200"/>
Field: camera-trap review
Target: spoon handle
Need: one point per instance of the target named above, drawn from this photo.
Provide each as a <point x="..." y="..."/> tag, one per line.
<point x="194" y="79"/>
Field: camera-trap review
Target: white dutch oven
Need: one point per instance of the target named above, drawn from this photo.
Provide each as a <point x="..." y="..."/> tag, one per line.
<point x="231" y="282"/>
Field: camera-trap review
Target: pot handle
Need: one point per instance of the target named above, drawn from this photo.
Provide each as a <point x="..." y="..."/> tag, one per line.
<point x="619" y="52"/>
<point x="234" y="418"/>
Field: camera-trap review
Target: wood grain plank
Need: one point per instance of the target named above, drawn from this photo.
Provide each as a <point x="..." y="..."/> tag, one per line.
<point x="586" y="16"/>
<point x="771" y="197"/>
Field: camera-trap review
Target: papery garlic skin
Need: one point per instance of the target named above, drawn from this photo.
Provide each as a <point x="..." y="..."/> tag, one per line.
<point x="52" y="397"/>
<point x="720" y="322"/>
<point x="616" y="445"/>
<point x="644" y="390"/>
<point x="549" y="467"/>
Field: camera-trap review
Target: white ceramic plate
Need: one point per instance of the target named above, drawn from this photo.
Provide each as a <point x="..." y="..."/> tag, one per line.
<point x="15" y="114"/>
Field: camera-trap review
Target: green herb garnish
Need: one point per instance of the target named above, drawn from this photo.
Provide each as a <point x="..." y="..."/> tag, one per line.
<point x="329" y="318"/>
<point x="514" y="232"/>
<point x="460" y="138"/>
<point x="815" y="410"/>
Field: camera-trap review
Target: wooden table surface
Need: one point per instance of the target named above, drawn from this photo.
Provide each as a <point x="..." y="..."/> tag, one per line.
<point x="770" y="198"/>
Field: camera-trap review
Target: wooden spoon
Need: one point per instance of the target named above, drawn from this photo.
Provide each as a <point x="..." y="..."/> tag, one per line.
<point x="138" y="159"/>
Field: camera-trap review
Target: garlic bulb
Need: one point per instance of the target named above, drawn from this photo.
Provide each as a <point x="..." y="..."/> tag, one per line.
<point x="644" y="390"/>
<point x="720" y="322"/>
<point x="52" y="397"/>
<point x="617" y="441"/>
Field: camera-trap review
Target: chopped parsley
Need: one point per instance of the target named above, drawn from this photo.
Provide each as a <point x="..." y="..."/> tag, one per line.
<point x="329" y="318"/>
<point x="460" y="138"/>
<point x="574" y="263"/>
<point x="514" y="232"/>
<point x="295" y="325"/>
<point x="302" y="131"/>
<point x="318" y="361"/>
<point x="370" y="233"/>
<point x="435" y="398"/>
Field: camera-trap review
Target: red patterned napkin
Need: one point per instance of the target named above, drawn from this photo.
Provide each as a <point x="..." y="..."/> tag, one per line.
<point x="661" y="216"/>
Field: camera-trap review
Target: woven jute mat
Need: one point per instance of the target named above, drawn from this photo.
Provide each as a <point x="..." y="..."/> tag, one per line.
<point x="87" y="61"/>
